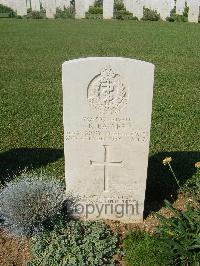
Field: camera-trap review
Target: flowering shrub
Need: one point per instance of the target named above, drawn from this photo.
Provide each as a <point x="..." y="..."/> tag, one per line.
<point x="180" y="236"/>
<point x="26" y="204"/>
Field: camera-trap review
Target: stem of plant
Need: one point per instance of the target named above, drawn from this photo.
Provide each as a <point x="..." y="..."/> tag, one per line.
<point x="174" y="175"/>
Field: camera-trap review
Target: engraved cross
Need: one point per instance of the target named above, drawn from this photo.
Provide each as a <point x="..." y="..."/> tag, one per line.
<point x="106" y="163"/>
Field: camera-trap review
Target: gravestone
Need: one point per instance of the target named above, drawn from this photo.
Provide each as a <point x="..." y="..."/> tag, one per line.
<point x="165" y="9"/>
<point x="88" y="3"/>
<point x="108" y="8"/>
<point x="193" y="14"/>
<point x="67" y="3"/>
<point x="80" y="9"/>
<point x="4" y="2"/>
<point x="12" y="4"/>
<point x="171" y="5"/>
<point x="43" y="3"/>
<point x="180" y="6"/>
<point x="128" y="5"/>
<point x="60" y="4"/>
<point x="21" y="8"/>
<point x="107" y="117"/>
<point x="35" y="5"/>
<point x="50" y="8"/>
<point x="138" y="8"/>
<point x="155" y="5"/>
<point x="28" y="4"/>
<point x="147" y="4"/>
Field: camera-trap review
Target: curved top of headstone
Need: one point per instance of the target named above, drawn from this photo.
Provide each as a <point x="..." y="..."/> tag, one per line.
<point x="107" y="104"/>
<point x="103" y="58"/>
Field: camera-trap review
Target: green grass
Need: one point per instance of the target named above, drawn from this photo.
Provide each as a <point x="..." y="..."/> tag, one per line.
<point x="31" y="56"/>
<point x="142" y="249"/>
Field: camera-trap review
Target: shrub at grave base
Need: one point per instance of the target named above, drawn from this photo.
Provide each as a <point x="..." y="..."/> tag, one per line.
<point x="75" y="243"/>
<point x="98" y="3"/>
<point x="26" y="204"/>
<point x="121" y="13"/>
<point x="64" y="14"/>
<point x="192" y="185"/>
<point x="95" y="12"/>
<point x="178" y="18"/>
<point x="4" y="10"/>
<point x="180" y="236"/>
<point x="36" y="15"/>
<point x="151" y="15"/>
<point x="142" y="249"/>
<point x="93" y="16"/>
<point x="124" y="14"/>
<point x="119" y="5"/>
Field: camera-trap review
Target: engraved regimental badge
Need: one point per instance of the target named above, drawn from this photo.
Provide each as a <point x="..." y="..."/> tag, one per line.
<point x="107" y="93"/>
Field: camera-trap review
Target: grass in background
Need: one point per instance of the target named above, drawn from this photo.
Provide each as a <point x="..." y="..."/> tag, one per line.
<point x="31" y="56"/>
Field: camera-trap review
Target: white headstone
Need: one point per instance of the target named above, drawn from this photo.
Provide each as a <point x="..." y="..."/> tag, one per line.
<point x="128" y="5"/>
<point x="60" y="4"/>
<point x="12" y="4"/>
<point x="172" y="4"/>
<point x="194" y="8"/>
<point x="67" y="3"/>
<point x="107" y="118"/>
<point x="88" y="3"/>
<point x="43" y="4"/>
<point x="28" y="4"/>
<point x="138" y="8"/>
<point x="155" y="5"/>
<point x="50" y="8"/>
<point x="3" y="2"/>
<point x="165" y="9"/>
<point x="80" y="9"/>
<point x="21" y="7"/>
<point x="35" y="5"/>
<point x="147" y="4"/>
<point x="180" y="6"/>
<point x="108" y="8"/>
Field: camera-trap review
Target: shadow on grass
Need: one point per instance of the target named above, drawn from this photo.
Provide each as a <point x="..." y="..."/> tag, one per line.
<point x="161" y="184"/>
<point x="12" y="162"/>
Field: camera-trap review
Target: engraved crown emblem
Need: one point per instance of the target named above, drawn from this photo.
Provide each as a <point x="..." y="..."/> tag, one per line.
<point x="106" y="92"/>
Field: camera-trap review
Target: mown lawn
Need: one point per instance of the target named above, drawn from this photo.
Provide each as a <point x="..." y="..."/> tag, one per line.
<point x="31" y="55"/>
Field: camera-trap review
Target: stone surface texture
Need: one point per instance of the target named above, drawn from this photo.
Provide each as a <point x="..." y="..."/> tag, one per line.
<point x="107" y="105"/>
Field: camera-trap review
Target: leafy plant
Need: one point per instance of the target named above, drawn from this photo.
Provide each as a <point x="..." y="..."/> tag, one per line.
<point x="120" y="11"/>
<point x="186" y="10"/>
<point x="124" y="14"/>
<point x="192" y="185"/>
<point x="26" y="204"/>
<point x="98" y="3"/>
<point x="36" y="15"/>
<point x="151" y="15"/>
<point x="178" y="18"/>
<point x="7" y="10"/>
<point x="119" y="5"/>
<point x="64" y="14"/>
<point x="180" y="236"/>
<point x="95" y="10"/>
<point x="93" y="16"/>
<point x="75" y="243"/>
<point x="142" y="249"/>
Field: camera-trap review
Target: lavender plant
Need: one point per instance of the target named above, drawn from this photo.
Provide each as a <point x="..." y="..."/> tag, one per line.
<point x="27" y="203"/>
